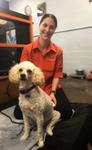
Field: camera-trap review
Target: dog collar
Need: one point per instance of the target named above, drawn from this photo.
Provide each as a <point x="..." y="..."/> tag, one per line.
<point x="24" y="91"/>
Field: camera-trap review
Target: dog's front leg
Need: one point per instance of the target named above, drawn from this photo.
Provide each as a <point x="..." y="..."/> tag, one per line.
<point x="40" y="130"/>
<point x="26" y="128"/>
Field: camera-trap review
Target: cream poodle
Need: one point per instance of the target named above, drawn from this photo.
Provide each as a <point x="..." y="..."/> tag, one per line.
<point x="35" y="104"/>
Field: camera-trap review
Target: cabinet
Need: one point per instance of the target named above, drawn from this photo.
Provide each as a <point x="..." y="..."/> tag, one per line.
<point x="15" y="33"/>
<point x="8" y="91"/>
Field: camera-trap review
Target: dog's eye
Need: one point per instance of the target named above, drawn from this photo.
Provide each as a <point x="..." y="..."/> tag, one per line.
<point x="20" y="70"/>
<point x="29" y="71"/>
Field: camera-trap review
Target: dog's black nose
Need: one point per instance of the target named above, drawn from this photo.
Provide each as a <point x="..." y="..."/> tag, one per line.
<point x="23" y="76"/>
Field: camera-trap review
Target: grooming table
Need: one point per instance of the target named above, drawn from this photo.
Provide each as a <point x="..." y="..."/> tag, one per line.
<point x="71" y="134"/>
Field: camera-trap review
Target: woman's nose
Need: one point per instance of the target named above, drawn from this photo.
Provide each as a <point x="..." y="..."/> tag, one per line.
<point x="47" y="29"/>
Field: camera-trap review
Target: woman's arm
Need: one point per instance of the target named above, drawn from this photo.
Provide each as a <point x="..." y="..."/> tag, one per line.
<point x="55" y="84"/>
<point x="54" y="87"/>
<point x="25" y="56"/>
<point x="57" y="75"/>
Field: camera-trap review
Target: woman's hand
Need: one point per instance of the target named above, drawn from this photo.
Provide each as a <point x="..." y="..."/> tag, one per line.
<point x="54" y="101"/>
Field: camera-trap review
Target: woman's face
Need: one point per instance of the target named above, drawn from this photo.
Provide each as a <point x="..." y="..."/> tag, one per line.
<point x="47" y="28"/>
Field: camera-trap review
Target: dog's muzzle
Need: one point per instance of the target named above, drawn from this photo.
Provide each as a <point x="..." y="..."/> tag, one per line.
<point x="23" y="77"/>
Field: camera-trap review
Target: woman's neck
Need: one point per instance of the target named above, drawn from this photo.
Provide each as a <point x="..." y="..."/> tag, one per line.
<point x="44" y="44"/>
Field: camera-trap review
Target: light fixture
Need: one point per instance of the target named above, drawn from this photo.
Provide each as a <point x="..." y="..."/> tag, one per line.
<point x="2" y="22"/>
<point x="41" y="9"/>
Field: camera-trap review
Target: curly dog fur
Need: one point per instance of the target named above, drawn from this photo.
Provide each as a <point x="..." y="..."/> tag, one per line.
<point x="35" y="104"/>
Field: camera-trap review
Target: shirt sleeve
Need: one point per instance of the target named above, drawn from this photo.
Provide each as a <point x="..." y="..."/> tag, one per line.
<point x="59" y="65"/>
<point x="25" y="53"/>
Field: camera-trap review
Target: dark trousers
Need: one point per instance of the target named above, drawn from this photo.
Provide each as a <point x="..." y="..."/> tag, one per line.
<point x="63" y="106"/>
<point x="74" y="133"/>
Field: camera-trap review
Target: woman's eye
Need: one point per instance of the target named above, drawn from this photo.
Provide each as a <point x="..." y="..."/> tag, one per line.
<point x="50" y="27"/>
<point x="45" y="25"/>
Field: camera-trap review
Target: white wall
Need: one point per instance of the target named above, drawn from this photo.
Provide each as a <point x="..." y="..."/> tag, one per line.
<point x="71" y="14"/>
<point x="77" y="49"/>
<point x="18" y="6"/>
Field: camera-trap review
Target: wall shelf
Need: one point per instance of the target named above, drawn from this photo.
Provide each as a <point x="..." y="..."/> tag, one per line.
<point x="20" y="26"/>
<point x="12" y="45"/>
<point x="15" y="33"/>
<point x="10" y="17"/>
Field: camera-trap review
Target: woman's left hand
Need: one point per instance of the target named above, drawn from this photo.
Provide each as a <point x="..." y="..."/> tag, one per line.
<point x="54" y="101"/>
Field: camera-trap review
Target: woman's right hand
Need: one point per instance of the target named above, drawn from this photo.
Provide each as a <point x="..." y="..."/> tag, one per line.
<point x="54" y="101"/>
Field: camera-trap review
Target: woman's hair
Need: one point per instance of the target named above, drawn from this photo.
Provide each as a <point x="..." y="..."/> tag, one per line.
<point x="49" y="16"/>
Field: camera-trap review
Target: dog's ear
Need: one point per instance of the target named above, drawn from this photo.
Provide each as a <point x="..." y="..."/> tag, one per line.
<point x="13" y="74"/>
<point x="37" y="76"/>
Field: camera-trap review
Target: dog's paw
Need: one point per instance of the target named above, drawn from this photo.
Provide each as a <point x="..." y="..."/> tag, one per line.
<point x="49" y="131"/>
<point x="23" y="137"/>
<point x="40" y="144"/>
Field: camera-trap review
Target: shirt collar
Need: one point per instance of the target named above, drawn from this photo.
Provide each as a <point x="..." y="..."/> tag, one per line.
<point x="36" y="45"/>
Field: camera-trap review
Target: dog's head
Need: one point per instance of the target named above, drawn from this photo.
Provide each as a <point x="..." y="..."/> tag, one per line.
<point x="26" y="71"/>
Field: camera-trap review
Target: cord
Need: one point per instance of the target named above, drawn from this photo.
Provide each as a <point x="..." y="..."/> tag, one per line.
<point x="20" y="123"/>
<point x="35" y="144"/>
<point x="10" y="118"/>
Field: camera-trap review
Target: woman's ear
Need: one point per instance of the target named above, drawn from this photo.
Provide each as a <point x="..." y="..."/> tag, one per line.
<point x="37" y="76"/>
<point x="13" y="74"/>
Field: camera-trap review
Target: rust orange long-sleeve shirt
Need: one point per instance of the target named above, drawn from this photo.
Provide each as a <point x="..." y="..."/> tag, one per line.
<point x="50" y="63"/>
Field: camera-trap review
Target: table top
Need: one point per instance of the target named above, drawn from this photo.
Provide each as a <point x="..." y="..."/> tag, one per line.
<point x="3" y="77"/>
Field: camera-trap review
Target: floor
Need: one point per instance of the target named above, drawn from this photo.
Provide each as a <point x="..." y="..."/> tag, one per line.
<point x="78" y="90"/>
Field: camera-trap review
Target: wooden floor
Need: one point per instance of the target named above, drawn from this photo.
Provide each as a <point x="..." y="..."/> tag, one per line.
<point x="89" y="147"/>
<point x="78" y="90"/>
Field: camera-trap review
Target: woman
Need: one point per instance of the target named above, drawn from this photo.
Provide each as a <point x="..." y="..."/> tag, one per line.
<point x="49" y="57"/>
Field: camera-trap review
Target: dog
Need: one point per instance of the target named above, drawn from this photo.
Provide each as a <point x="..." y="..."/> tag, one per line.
<point x="34" y="103"/>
